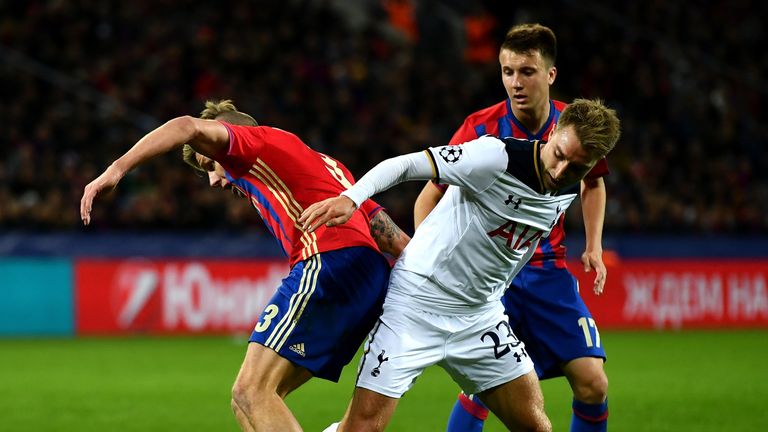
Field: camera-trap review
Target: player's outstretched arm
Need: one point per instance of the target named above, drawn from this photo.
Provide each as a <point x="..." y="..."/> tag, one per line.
<point x="425" y="202"/>
<point x="334" y="211"/>
<point x="389" y="237"/>
<point x="593" y="198"/>
<point x="207" y="137"/>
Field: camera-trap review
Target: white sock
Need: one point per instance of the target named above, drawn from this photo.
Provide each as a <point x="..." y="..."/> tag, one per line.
<point x="331" y="428"/>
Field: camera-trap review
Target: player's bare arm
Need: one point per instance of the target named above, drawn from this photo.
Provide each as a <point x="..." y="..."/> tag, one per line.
<point x="425" y="202"/>
<point x="207" y="137"/>
<point x="389" y="237"/>
<point x="593" y="199"/>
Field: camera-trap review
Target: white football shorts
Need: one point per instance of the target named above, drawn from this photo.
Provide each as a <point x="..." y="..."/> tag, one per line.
<point x="478" y="351"/>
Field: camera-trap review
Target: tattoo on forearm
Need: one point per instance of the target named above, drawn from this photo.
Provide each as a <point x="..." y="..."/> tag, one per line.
<point x="385" y="231"/>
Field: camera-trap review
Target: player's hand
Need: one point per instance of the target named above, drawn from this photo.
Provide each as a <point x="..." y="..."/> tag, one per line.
<point x="103" y="183"/>
<point x="593" y="260"/>
<point x="330" y="212"/>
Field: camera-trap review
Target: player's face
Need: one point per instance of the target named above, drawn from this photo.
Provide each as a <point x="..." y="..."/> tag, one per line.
<point x="564" y="159"/>
<point x="216" y="175"/>
<point x="527" y="78"/>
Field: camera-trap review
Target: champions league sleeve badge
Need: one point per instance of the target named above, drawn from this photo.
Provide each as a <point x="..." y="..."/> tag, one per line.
<point x="451" y="154"/>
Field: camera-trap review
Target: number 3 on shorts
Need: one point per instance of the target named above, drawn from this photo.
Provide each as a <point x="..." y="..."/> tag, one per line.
<point x="270" y="313"/>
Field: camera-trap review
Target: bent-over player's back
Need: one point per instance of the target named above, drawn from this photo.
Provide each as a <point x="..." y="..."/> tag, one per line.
<point x="281" y="176"/>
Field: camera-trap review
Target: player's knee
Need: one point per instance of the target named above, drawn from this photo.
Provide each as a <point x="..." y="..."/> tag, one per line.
<point x="240" y="399"/>
<point x="246" y="395"/>
<point x="593" y="389"/>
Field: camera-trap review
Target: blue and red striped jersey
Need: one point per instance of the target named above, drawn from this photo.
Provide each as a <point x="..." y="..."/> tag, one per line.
<point x="282" y="176"/>
<point x="500" y="121"/>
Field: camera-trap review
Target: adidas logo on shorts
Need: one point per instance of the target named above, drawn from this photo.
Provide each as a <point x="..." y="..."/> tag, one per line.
<point x="298" y="349"/>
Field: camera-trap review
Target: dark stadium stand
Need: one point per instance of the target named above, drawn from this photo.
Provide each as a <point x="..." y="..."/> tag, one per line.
<point x="81" y="82"/>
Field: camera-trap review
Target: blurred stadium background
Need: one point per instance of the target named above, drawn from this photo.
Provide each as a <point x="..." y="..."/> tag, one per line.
<point x="138" y="322"/>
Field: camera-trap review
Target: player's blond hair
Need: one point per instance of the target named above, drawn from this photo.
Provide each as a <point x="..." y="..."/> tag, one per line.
<point x="528" y="38"/>
<point x="223" y="110"/>
<point x="597" y="126"/>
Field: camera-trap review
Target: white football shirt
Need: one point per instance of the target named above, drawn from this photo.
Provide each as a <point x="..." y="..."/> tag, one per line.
<point x="465" y="254"/>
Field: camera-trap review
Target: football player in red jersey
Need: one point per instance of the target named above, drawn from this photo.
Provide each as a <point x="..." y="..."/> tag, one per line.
<point x="322" y="311"/>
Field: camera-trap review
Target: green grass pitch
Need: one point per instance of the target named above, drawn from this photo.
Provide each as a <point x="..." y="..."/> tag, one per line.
<point x="659" y="381"/>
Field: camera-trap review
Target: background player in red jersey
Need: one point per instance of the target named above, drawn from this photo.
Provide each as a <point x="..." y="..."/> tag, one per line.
<point x="323" y="309"/>
<point x="543" y="303"/>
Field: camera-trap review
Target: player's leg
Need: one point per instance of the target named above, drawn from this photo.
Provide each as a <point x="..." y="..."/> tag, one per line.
<point x="312" y="326"/>
<point x="468" y="414"/>
<point x="519" y="404"/>
<point x="590" y="394"/>
<point x="562" y="339"/>
<point x="266" y="375"/>
<point x="401" y="345"/>
<point x="264" y="380"/>
<point x="372" y="412"/>
<point x="369" y="411"/>
<point x="242" y="419"/>
<point x="486" y="358"/>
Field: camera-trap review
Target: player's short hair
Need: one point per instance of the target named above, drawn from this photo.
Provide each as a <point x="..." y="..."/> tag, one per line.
<point x="528" y="38"/>
<point x="223" y="110"/>
<point x="597" y="126"/>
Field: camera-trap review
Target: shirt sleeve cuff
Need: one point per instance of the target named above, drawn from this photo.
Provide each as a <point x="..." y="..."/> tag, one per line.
<point x="355" y="196"/>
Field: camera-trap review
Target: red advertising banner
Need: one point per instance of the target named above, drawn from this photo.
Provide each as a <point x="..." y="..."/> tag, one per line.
<point x="117" y="296"/>
<point x="677" y="294"/>
<point x="175" y="296"/>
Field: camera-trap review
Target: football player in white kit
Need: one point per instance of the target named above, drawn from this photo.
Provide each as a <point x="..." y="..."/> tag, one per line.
<point x="443" y="304"/>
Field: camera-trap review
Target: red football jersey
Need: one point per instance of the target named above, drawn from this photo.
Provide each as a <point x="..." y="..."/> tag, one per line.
<point x="282" y="176"/>
<point x="499" y="120"/>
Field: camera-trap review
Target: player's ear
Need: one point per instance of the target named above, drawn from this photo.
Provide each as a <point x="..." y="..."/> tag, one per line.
<point x="552" y="75"/>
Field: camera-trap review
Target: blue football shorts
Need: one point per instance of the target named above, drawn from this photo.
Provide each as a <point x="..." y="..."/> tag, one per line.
<point x="547" y="313"/>
<point x="323" y="310"/>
